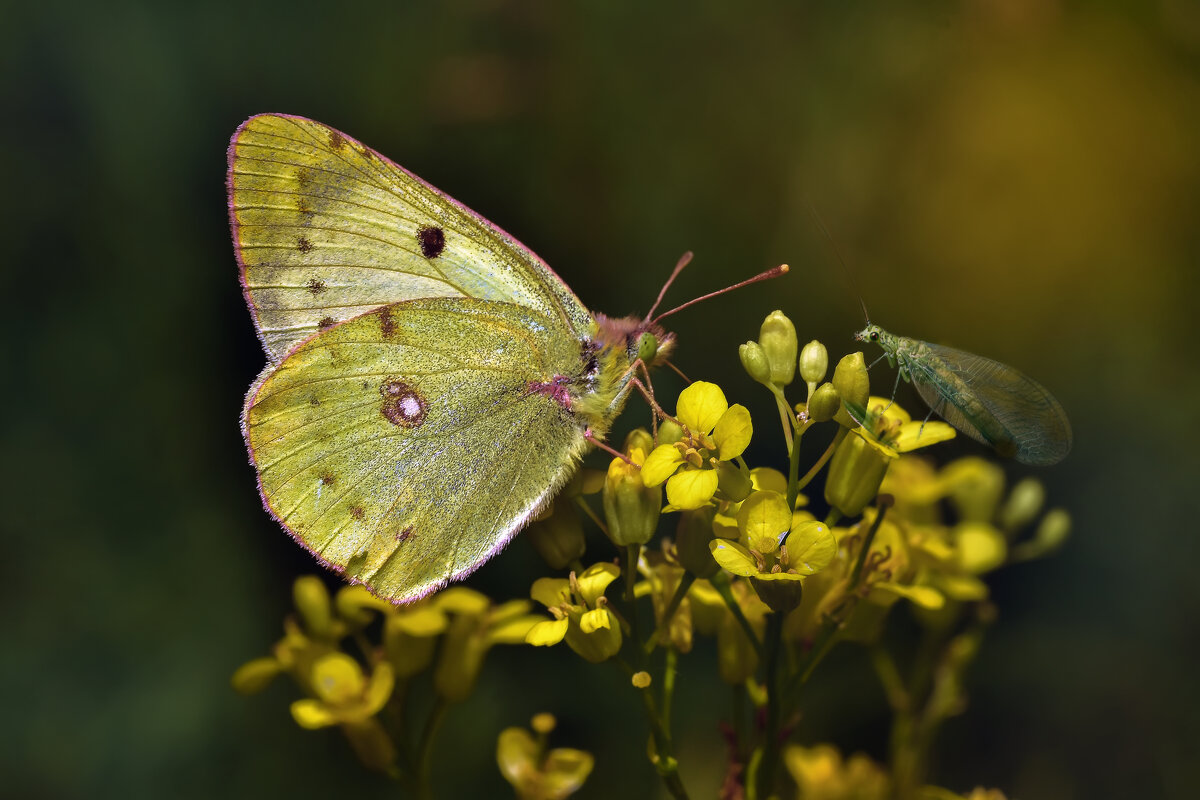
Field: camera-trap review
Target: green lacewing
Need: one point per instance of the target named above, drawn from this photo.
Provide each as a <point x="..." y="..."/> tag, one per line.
<point x="988" y="401"/>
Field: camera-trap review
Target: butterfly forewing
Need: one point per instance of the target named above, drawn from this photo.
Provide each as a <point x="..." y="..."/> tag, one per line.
<point x="995" y="404"/>
<point x="405" y="446"/>
<point x="327" y="229"/>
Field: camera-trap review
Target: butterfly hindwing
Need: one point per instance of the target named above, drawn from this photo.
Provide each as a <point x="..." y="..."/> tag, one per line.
<point x="405" y="446"/>
<point x="327" y="229"/>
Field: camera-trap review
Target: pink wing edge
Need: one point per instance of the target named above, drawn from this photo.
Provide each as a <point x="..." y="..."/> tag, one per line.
<point x="504" y="235"/>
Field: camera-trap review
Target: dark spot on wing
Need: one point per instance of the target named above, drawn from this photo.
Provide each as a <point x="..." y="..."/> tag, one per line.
<point x="404" y="535"/>
<point x="432" y="240"/>
<point x="366" y="385"/>
<point x="356" y="512"/>
<point x="303" y="178"/>
<point x="314" y="401"/>
<point x="303" y="245"/>
<point x="315" y="286"/>
<point x="304" y="208"/>
<point x="402" y="404"/>
<point x="387" y="325"/>
<point x="336" y="141"/>
<point x="328" y="479"/>
<point x="326" y="322"/>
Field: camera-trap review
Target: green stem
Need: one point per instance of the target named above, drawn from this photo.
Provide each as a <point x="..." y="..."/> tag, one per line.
<point x="794" y="465"/>
<point x="666" y="765"/>
<point x="823" y="460"/>
<point x="664" y="625"/>
<point x="425" y="747"/>
<point x="765" y="779"/>
<point x="720" y="582"/>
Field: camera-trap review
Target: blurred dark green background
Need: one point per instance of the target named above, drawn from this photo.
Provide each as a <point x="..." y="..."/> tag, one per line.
<point x="1020" y="179"/>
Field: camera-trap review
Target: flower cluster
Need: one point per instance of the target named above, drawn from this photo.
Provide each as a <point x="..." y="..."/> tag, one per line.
<point x="774" y="572"/>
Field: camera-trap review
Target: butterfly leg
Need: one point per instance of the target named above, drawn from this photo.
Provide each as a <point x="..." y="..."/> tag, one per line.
<point x="600" y="443"/>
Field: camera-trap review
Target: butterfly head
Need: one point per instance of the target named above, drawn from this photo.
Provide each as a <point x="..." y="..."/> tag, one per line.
<point x="640" y="339"/>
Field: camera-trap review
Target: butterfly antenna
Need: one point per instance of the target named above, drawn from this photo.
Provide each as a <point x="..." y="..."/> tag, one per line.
<point x="845" y="267"/>
<point x="774" y="272"/>
<point x="684" y="260"/>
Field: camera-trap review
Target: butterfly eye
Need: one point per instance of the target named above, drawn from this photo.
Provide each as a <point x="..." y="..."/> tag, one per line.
<point x="647" y="347"/>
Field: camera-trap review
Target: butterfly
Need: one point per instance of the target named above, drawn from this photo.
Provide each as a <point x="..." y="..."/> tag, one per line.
<point x="430" y="382"/>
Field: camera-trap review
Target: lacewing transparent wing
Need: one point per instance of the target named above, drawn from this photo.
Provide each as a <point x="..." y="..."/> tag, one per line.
<point x="988" y="401"/>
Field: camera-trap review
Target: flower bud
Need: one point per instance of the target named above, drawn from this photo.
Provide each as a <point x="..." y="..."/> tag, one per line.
<point x="630" y="507"/>
<point x="855" y="473"/>
<point x="733" y="481"/>
<point x="852" y="384"/>
<point x="824" y="403"/>
<point x="1023" y="505"/>
<point x="312" y="601"/>
<point x="777" y="337"/>
<point x="254" y="676"/>
<point x="814" y="362"/>
<point x="754" y="360"/>
<point x="558" y="536"/>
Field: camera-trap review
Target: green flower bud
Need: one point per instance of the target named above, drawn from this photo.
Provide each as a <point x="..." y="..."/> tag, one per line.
<point x="669" y="432"/>
<point x="855" y="473"/>
<point x="372" y="744"/>
<point x="814" y="362"/>
<point x="777" y="337"/>
<point x="1023" y="505"/>
<point x="733" y="481"/>
<point x="312" y="601"/>
<point x="691" y="541"/>
<point x="558" y="536"/>
<point x="853" y="385"/>
<point x="824" y="403"/>
<point x="631" y="508"/>
<point x="754" y="359"/>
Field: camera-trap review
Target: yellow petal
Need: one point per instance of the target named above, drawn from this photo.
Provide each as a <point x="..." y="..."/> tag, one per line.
<point x="763" y="519"/>
<point x="595" y="579"/>
<point x="512" y="631"/>
<point x="595" y="619"/>
<point x="923" y="596"/>
<point x="379" y="689"/>
<point x="551" y="592"/>
<point x="661" y="464"/>
<point x="701" y="405"/>
<point x="767" y="478"/>
<point x="981" y="548"/>
<point x="565" y="770"/>
<point x="254" y="676"/>
<point x="691" y="488"/>
<point x="337" y="678"/>
<point x="516" y="755"/>
<point x="811" y="548"/>
<point x="733" y="557"/>
<point x="547" y="632"/>
<point x="461" y="600"/>
<point x="732" y="432"/>
<point x="912" y="435"/>
<point x="312" y="714"/>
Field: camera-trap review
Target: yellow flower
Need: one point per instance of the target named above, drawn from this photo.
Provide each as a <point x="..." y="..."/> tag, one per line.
<point x="580" y="613"/>
<point x="821" y="774"/>
<point x="776" y="571"/>
<point x="631" y="507"/>
<point x="343" y="692"/>
<point x="536" y="774"/>
<point x="715" y="432"/>
<point x="891" y="430"/>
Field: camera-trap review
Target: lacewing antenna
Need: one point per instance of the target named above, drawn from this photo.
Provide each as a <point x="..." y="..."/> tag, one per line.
<point x="774" y="272"/>
<point x="684" y="260"/>
<point x="845" y="268"/>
